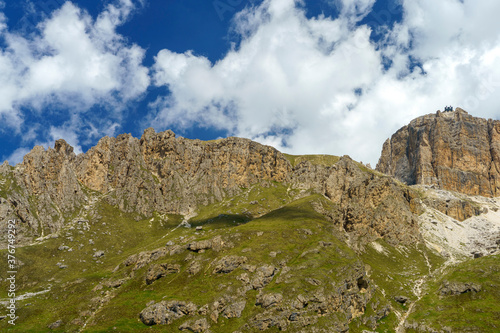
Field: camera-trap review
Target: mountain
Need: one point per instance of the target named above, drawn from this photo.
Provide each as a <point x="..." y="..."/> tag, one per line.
<point x="167" y="175"/>
<point x="452" y="150"/>
<point x="164" y="233"/>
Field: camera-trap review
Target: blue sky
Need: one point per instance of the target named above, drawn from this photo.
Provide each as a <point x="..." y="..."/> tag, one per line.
<point x="327" y="76"/>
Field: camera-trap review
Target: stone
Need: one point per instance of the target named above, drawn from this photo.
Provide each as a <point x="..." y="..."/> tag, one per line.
<point x="268" y="300"/>
<point x="165" y="313"/>
<point x="313" y="281"/>
<point x="228" y="264"/>
<point x="158" y="271"/>
<point x="194" y="268"/>
<point x="456" y="152"/>
<point x="197" y="326"/>
<point x="263" y="276"/>
<point x="215" y="243"/>
<point x="234" y="310"/>
<point x="448" y="288"/>
<point x="61" y="265"/>
<point x="116" y="283"/>
<point x="55" y="325"/>
<point x="141" y="259"/>
<point x="477" y="255"/>
<point x="202" y="311"/>
<point x="401" y="299"/>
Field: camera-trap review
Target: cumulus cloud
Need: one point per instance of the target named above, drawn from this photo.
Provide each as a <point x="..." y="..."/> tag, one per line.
<point x="76" y="131"/>
<point x="321" y="85"/>
<point x="290" y="74"/>
<point x="72" y="62"/>
<point x="302" y="84"/>
<point x="17" y="155"/>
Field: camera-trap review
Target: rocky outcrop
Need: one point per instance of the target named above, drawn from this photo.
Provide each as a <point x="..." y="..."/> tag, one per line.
<point x="457" y="288"/>
<point x="163" y="173"/>
<point x="157" y="173"/>
<point x="268" y="300"/>
<point x="452" y="150"/>
<point x="228" y="264"/>
<point x="341" y="302"/>
<point x="371" y="205"/>
<point x="196" y="326"/>
<point x="158" y="271"/>
<point x="50" y="185"/>
<point x="454" y="207"/>
<point x="215" y="243"/>
<point x="234" y="310"/>
<point x="166" y="312"/>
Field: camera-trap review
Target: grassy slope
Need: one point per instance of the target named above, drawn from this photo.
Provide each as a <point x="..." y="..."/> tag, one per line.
<point x="270" y="210"/>
<point x="280" y="233"/>
<point x="395" y="271"/>
<point x="114" y="232"/>
<point x="468" y="312"/>
<point x="120" y="236"/>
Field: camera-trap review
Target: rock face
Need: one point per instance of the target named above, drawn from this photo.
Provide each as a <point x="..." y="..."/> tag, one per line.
<point x="452" y="150"/>
<point x="165" y="174"/>
<point x="366" y="196"/>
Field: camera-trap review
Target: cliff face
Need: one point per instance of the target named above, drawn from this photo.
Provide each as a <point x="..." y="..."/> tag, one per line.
<point x="165" y="174"/>
<point x="452" y="150"/>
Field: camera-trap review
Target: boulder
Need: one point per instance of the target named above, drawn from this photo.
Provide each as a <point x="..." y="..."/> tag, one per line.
<point x="197" y="326"/>
<point x="158" y="271"/>
<point x="166" y="312"/>
<point x="215" y="243"/>
<point x="234" y="310"/>
<point x="228" y="264"/>
<point x="401" y="299"/>
<point x="448" y="288"/>
<point x="55" y="325"/>
<point x="268" y="300"/>
<point x="263" y="276"/>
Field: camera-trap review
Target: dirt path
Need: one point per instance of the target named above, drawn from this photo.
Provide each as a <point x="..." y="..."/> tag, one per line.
<point x="418" y="290"/>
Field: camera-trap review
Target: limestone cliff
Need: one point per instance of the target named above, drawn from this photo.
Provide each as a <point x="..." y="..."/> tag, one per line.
<point x="452" y="150"/>
<point x="167" y="174"/>
<point x="163" y="173"/>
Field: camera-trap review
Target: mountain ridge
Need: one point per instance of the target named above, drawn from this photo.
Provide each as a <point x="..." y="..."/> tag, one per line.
<point x="162" y="233"/>
<point x="169" y="175"/>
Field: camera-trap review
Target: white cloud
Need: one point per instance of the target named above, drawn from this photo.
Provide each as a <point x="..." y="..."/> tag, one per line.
<point x="17" y="155"/>
<point x="303" y="85"/>
<point x="355" y="9"/>
<point x="77" y="131"/>
<point x="319" y="85"/>
<point x="74" y="63"/>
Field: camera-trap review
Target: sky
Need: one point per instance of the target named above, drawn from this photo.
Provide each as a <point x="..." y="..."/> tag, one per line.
<point x="307" y="77"/>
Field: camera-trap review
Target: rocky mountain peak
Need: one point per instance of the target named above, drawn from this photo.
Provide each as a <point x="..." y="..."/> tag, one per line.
<point x="62" y="146"/>
<point x="451" y="150"/>
<point x="232" y="235"/>
<point x="162" y="173"/>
